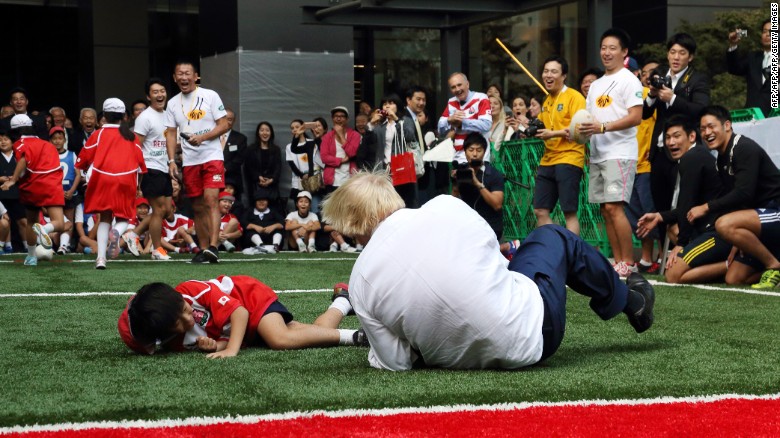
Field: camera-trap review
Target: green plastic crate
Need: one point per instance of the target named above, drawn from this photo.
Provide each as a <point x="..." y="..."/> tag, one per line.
<point x="774" y="113"/>
<point x="746" y="115"/>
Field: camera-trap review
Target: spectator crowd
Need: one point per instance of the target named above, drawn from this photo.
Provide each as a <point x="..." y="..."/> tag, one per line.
<point x="170" y="174"/>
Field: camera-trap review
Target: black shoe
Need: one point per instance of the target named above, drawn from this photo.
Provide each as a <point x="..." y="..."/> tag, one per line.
<point x="199" y="258"/>
<point x="341" y="290"/>
<point x="211" y="254"/>
<point x="360" y="339"/>
<point x="643" y="318"/>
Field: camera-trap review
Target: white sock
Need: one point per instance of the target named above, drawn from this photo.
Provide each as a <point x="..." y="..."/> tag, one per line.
<point x="192" y="245"/>
<point x="26" y="246"/>
<point x="102" y="238"/>
<point x="300" y="243"/>
<point x="48" y="228"/>
<point x="277" y="238"/>
<point x="31" y="250"/>
<point x="8" y="244"/>
<point x="121" y="227"/>
<point x="345" y="336"/>
<point x="344" y="246"/>
<point x="256" y="240"/>
<point x="65" y="240"/>
<point x="311" y="242"/>
<point x="645" y="263"/>
<point x="342" y="304"/>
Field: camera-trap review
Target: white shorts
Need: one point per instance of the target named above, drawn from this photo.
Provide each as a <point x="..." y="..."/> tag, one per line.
<point x="611" y="181"/>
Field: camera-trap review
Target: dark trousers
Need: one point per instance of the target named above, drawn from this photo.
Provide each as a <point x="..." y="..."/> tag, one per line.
<point x="663" y="176"/>
<point x="554" y="257"/>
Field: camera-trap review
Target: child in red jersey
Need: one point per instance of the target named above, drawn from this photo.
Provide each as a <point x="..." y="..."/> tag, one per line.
<point x="39" y="175"/>
<point x="113" y="159"/>
<point x="222" y="315"/>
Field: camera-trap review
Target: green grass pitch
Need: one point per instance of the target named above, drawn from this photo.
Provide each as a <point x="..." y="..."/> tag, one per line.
<point x="62" y="358"/>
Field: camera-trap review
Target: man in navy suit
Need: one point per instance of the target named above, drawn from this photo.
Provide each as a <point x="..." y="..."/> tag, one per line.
<point x="688" y="95"/>
<point x="754" y="66"/>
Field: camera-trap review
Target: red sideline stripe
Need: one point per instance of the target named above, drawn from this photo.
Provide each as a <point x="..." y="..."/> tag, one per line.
<point x="731" y="417"/>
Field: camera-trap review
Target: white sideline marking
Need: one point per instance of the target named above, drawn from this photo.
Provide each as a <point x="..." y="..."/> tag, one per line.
<point x="292" y="291"/>
<point x="251" y="419"/>
<point x="107" y="293"/>
<point x="720" y="288"/>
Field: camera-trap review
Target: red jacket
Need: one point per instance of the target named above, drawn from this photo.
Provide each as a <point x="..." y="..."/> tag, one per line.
<point x="328" y="153"/>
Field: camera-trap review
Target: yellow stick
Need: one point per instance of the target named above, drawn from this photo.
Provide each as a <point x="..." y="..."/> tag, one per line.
<point x="522" y="66"/>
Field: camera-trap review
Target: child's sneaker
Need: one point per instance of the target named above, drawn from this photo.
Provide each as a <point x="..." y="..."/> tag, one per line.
<point x="312" y="248"/>
<point x="229" y="247"/>
<point x="132" y="244"/>
<point x="348" y="248"/>
<point x="43" y="237"/>
<point x="113" y="245"/>
<point x="334" y="247"/>
<point x="358" y="247"/>
<point x="160" y="254"/>
<point x="8" y="249"/>
<point x="100" y="263"/>
<point x="31" y="261"/>
<point x="63" y="250"/>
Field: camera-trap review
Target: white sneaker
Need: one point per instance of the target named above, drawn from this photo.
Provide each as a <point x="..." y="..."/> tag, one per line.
<point x="160" y="254"/>
<point x="359" y="247"/>
<point x="132" y="244"/>
<point x="348" y="248"/>
<point x="622" y="269"/>
<point x="269" y="249"/>
<point x="62" y="250"/>
<point x="312" y="248"/>
<point x="334" y="247"/>
<point x="43" y="237"/>
<point x="301" y="248"/>
<point x="100" y="263"/>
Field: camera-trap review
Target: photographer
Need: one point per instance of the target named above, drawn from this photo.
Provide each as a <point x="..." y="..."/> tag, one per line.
<point x="754" y="66"/>
<point x="560" y="169"/>
<point x="676" y="90"/>
<point x="481" y="185"/>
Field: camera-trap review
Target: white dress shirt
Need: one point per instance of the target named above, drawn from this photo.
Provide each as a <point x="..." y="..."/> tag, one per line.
<point x="433" y="281"/>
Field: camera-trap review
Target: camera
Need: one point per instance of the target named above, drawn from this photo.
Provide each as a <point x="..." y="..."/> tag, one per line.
<point x="185" y="135"/>
<point x="658" y="79"/>
<point x="534" y="125"/>
<point x="383" y="113"/>
<point x="463" y="171"/>
<point x="742" y="33"/>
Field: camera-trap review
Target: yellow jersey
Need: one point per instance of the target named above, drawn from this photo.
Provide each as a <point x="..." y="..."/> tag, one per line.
<point x="644" y="136"/>
<point x="556" y="115"/>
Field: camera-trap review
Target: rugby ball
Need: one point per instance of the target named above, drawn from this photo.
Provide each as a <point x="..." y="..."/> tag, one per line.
<point x="44" y="254"/>
<point x="580" y="117"/>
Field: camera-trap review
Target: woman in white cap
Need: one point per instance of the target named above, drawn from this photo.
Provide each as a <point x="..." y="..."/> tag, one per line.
<point x="115" y="159"/>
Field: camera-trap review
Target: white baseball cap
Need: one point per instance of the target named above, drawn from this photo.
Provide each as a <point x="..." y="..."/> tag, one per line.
<point x="304" y="194"/>
<point x="20" y="121"/>
<point x="113" y="105"/>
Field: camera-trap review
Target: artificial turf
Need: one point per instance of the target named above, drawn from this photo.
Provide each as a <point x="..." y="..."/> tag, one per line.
<point x="62" y="358"/>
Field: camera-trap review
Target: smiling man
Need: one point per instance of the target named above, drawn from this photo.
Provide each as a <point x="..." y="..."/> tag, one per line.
<point x="688" y="94"/>
<point x="615" y="102"/>
<point x="200" y="116"/>
<point x="752" y="184"/>
<point x="466" y="112"/>
<point x="699" y="253"/>
<point x="560" y="170"/>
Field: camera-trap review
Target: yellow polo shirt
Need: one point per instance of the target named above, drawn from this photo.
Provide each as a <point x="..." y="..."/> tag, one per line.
<point x="644" y="135"/>
<point x="556" y="115"/>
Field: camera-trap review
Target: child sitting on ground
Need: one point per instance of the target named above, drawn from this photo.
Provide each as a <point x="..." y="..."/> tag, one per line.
<point x="222" y="315"/>
<point x="302" y="224"/>
<point x="229" y="228"/>
<point x="177" y="232"/>
<point x="263" y="227"/>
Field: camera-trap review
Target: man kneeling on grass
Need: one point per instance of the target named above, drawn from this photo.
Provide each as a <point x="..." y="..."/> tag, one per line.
<point x="431" y="287"/>
<point x="223" y="315"/>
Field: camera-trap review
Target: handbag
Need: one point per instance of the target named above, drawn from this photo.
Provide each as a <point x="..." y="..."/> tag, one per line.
<point x="402" y="168"/>
<point x="314" y="183"/>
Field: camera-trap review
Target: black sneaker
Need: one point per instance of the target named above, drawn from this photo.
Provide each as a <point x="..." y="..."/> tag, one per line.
<point x="211" y="254"/>
<point x="200" y="257"/>
<point x="360" y="339"/>
<point x="642" y="319"/>
<point x="341" y="290"/>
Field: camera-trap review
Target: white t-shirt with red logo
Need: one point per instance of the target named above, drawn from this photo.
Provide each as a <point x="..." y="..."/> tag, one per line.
<point x="197" y="113"/>
<point x="151" y="124"/>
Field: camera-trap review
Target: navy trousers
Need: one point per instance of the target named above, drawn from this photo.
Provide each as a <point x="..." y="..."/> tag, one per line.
<point x="554" y="257"/>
